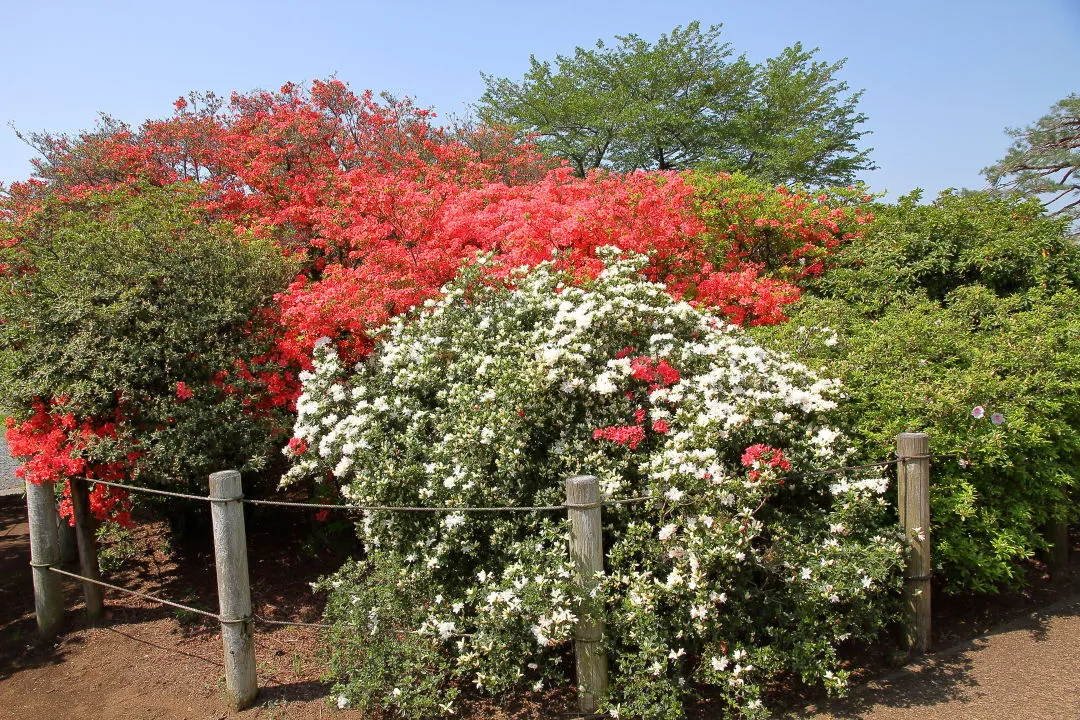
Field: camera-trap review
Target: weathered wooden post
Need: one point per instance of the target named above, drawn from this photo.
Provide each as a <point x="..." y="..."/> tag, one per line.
<point x="1057" y="534"/>
<point x="84" y="537"/>
<point x="587" y="554"/>
<point x="234" y="590"/>
<point x="913" y="473"/>
<point x="44" y="554"/>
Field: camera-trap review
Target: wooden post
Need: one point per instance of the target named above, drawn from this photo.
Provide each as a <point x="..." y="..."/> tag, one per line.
<point x="234" y="590"/>
<point x="65" y="534"/>
<point x="84" y="536"/>
<point x="913" y="472"/>
<point x="44" y="553"/>
<point x="587" y="554"/>
<point x="1057" y="533"/>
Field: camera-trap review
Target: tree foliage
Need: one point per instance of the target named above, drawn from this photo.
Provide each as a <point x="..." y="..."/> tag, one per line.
<point x="376" y="209"/>
<point x="1044" y="161"/>
<point x="685" y="101"/>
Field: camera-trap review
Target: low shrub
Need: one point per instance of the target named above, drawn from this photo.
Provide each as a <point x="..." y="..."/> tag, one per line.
<point x="135" y="342"/>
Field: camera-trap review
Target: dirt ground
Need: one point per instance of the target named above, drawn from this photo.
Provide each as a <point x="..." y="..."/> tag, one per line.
<point x="148" y="662"/>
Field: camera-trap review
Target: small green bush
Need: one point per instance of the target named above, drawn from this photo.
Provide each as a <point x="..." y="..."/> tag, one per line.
<point x="137" y="324"/>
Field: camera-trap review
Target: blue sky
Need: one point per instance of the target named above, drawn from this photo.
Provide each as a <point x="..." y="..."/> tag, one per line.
<point x="942" y="78"/>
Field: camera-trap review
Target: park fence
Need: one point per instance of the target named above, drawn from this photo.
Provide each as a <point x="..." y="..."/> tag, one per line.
<point x="583" y="506"/>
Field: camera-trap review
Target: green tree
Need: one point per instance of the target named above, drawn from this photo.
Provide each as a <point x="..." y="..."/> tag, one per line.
<point x="686" y="101"/>
<point x="1044" y="161"/>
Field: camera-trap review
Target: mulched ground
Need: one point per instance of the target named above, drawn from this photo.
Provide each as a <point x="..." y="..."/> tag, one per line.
<point x="148" y="661"/>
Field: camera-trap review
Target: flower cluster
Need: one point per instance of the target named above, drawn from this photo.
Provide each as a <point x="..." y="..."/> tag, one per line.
<point x="979" y="412"/>
<point x="492" y="396"/>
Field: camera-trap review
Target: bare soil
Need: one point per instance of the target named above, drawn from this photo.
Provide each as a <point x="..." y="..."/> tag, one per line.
<point x="146" y="661"/>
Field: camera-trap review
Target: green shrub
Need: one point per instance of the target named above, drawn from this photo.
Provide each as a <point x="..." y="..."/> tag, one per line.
<point x="134" y="325"/>
<point x="941" y="309"/>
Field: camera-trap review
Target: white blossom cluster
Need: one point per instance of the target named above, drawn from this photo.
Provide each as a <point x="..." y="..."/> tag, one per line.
<point x="492" y="396"/>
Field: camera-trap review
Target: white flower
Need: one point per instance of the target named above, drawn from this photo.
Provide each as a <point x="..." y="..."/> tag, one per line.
<point x="541" y="639"/>
<point x="674" y="494"/>
<point x="720" y="664"/>
<point x="667" y="531"/>
<point x="603" y="384"/>
<point x="446" y="629"/>
<point x="342" y="701"/>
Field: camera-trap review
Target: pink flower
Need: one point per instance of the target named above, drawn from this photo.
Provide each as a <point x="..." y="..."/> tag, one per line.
<point x="977" y="412"/>
<point x="997" y="418"/>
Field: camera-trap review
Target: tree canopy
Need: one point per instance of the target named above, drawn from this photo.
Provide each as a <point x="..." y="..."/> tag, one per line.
<point x="1044" y="161"/>
<point x="687" y="101"/>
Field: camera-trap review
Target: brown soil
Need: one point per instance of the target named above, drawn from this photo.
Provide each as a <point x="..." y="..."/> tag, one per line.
<point x="147" y="661"/>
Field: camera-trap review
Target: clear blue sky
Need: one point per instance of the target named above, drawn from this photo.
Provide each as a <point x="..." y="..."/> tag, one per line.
<point x="942" y="78"/>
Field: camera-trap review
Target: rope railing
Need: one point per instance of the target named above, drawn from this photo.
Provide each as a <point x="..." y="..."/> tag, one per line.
<point x="180" y="606"/>
<point x="494" y="509"/>
<point x="136" y="593"/>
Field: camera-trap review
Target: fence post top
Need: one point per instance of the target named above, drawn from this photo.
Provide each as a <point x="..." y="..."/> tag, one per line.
<point x="582" y="480"/>
<point x="913" y="435"/>
<point x="225" y="484"/>
<point x="582" y="490"/>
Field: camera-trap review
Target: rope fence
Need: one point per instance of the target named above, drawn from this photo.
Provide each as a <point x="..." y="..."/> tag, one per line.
<point x="136" y="593"/>
<point x="509" y="508"/>
<point x="583" y="506"/>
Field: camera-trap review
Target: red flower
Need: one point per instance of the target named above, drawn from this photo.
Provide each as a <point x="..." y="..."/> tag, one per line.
<point x="661" y="427"/>
<point x="631" y="435"/>
<point x="183" y="392"/>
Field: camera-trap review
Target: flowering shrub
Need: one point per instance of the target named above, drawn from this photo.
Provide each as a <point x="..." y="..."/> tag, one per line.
<point x="731" y="573"/>
<point x="133" y="343"/>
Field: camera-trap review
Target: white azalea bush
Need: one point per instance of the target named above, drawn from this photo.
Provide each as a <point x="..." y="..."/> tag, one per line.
<point x="734" y="573"/>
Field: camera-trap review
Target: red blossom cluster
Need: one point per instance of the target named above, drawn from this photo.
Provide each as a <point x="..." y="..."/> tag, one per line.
<point x="50" y="441"/>
<point x="656" y="374"/>
<point x="761" y="457"/>
<point x="106" y="503"/>
<point x="380" y="208"/>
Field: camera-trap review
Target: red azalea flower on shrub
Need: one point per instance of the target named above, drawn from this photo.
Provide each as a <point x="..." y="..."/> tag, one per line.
<point x="761" y="457"/>
<point x="631" y="435"/>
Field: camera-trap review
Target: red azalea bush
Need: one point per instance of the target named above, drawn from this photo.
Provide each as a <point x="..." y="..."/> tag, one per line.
<point x="377" y="208"/>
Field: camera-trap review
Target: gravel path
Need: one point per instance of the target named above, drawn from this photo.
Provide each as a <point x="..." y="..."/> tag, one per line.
<point x="8" y="481"/>
<point x="1028" y="669"/>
